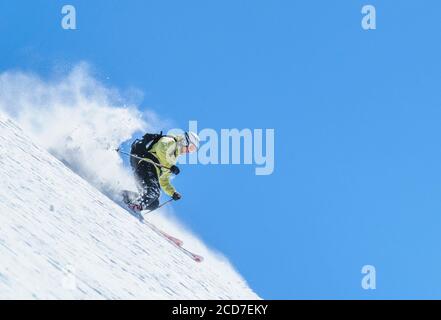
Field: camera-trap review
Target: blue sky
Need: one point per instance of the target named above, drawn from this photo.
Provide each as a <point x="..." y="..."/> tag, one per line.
<point x="356" y="116"/>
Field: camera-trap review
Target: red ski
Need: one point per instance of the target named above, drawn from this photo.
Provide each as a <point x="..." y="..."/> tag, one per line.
<point x="175" y="241"/>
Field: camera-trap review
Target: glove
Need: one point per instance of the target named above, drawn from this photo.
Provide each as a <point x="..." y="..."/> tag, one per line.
<point x="176" y="196"/>
<point x="175" y="170"/>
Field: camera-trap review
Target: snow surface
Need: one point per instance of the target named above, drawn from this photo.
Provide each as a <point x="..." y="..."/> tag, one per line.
<point x="61" y="238"/>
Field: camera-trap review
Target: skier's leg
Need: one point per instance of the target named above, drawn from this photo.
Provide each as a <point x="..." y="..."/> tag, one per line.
<point x="148" y="186"/>
<point x="152" y="206"/>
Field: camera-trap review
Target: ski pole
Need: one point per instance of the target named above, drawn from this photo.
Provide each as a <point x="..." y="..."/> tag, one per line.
<point x="142" y="159"/>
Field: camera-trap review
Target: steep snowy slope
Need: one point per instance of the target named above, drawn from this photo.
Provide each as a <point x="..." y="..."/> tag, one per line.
<point x="62" y="238"/>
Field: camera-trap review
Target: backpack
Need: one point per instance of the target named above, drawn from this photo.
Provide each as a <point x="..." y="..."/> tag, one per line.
<point x="141" y="147"/>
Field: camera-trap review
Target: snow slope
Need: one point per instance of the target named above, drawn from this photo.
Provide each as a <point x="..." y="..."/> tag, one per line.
<point x="61" y="238"/>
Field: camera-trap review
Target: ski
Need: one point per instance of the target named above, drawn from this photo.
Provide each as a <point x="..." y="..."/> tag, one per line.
<point x="173" y="240"/>
<point x="176" y="242"/>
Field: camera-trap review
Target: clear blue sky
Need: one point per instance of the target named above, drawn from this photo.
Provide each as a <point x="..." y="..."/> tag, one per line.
<point x="357" y="118"/>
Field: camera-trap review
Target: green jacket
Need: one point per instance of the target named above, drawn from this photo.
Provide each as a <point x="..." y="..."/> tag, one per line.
<point x="166" y="150"/>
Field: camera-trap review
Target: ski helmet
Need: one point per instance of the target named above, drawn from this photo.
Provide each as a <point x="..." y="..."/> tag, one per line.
<point x="192" y="138"/>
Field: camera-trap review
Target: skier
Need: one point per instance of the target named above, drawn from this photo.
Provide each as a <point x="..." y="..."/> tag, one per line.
<point x="159" y="155"/>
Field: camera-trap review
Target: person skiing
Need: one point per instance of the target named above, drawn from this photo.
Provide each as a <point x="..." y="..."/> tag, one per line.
<point x="153" y="161"/>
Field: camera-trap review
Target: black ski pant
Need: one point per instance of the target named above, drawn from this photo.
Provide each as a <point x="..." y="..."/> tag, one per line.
<point x="147" y="183"/>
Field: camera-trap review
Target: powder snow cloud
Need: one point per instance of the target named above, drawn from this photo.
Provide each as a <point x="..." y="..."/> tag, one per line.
<point x="78" y="119"/>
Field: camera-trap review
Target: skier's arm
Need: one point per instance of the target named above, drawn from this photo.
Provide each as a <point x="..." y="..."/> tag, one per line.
<point x="164" y="181"/>
<point x="165" y="153"/>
